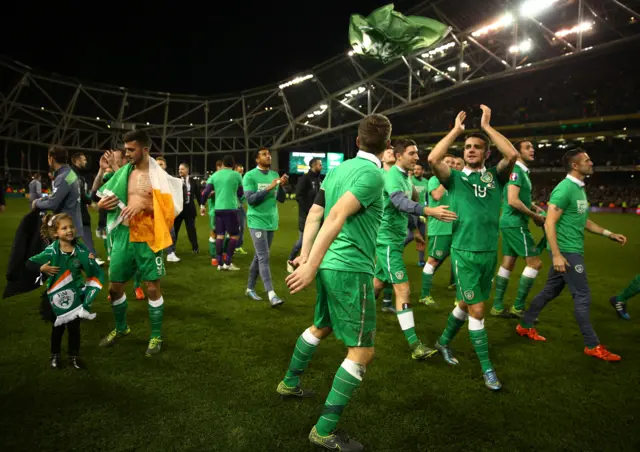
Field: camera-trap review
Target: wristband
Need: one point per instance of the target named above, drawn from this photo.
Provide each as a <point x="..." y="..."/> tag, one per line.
<point x="606" y="233"/>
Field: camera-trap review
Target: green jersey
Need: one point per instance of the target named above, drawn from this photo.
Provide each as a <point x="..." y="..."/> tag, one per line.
<point x="434" y="226"/>
<point x="476" y="198"/>
<point x="263" y="215"/>
<point x="394" y="222"/>
<point x="570" y="196"/>
<point x="420" y="185"/>
<point x="211" y="201"/>
<point x="354" y="249"/>
<point x="225" y="184"/>
<point x="513" y="218"/>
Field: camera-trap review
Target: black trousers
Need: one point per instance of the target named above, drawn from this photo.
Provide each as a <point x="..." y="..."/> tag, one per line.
<point x="190" y="222"/>
<point x="73" y="346"/>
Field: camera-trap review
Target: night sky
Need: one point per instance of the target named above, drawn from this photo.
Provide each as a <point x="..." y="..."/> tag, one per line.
<point x="193" y="49"/>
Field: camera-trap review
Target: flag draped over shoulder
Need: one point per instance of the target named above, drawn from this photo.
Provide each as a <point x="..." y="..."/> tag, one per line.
<point x="386" y="34"/>
<point x="152" y="228"/>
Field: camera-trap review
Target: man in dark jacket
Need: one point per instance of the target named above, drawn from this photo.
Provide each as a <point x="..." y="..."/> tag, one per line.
<point x="78" y="165"/>
<point x="306" y="191"/>
<point x="190" y="191"/>
<point x="65" y="194"/>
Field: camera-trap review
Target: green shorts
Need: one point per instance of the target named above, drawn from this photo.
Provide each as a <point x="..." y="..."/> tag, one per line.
<point x="128" y="257"/>
<point x="474" y="271"/>
<point x="518" y="242"/>
<point x="440" y="246"/>
<point x="390" y="266"/>
<point x="345" y="301"/>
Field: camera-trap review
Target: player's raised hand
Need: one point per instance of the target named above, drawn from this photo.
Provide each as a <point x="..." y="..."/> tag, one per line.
<point x="300" y="278"/>
<point x="560" y="264"/>
<point x="441" y="213"/>
<point x="284" y="179"/>
<point x="621" y="239"/>
<point x="459" y="124"/>
<point x="49" y="269"/>
<point x="485" y="121"/>
<point x="104" y="161"/>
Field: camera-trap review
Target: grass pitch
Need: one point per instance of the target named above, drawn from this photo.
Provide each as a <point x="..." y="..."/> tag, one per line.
<point x="213" y="385"/>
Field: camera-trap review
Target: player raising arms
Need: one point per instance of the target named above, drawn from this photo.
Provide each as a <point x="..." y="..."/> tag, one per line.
<point x="567" y="219"/>
<point x="477" y="194"/>
<point x="342" y="254"/>
<point x="517" y="241"/>
<point x="390" y="266"/>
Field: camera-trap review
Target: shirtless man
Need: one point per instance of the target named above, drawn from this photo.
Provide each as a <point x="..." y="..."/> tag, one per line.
<point x="130" y="251"/>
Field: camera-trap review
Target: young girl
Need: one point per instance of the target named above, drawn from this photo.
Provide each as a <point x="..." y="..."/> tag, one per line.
<point x="68" y="294"/>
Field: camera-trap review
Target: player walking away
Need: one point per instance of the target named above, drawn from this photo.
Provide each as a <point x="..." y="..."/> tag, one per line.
<point x="477" y="194"/>
<point x="342" y="253"/>
<point x="439" y="234"/>
<point x="130" y="248"/>
<point x="242" y="214"/>
<point x="619" y="302"/>
<point x="420" y="184"/>
<point x="306" y="191"/>
<point x="262" y="188"/>
<point x="567" y="219"/>
<point x="390" y="267"/>
<point x="190" y="191"/>
<point x="210" y="203"/>
<point x="517" y="241"/>
<point x="227" y="185"/>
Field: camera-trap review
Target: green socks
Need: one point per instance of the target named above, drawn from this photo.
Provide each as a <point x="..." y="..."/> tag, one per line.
<point x="119" y="308"/>
<point x="346" y="381"/>
<point x="156" y="311"/>
<point x="136" y="280"/>
<point x="526" y="283"/>
<point x="427" y="280"/>
<point x="212" y="248"/>
<point x="480" y="341"/>
<point x="632" y="290"/>
<point x="302" y="354"/>
<point x="502" y="281"/>
<point x="408" y="326"/>
<point x="454" y="323"/>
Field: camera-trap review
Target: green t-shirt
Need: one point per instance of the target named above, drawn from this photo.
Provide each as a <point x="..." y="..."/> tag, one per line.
<point x="513" y="218"/>
<point x="211" y="209"/>
<point x="570" y="196"/>
<point x="225" y="184"/>
<point x="354" y="249"/>
<point x="394" y="222"/>
<point x="435" y="226"/>
<point x="421" y="187"/>
<point x="265" y="214"/>
<point x="476" y="197"/>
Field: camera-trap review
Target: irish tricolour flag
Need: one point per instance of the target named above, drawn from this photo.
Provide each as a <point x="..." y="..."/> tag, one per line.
<point x="152" y="228"/>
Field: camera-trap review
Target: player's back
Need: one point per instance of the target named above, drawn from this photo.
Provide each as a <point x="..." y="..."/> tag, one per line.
<point x="354" y="247"/>
<point x="476" y="196"/>
<point x="226" y="183"/>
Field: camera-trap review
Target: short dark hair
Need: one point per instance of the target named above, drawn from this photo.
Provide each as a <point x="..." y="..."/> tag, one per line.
<point x="218" y="163"/>
<point x="481" y="136"/>
<point x="59" y="153"/>
<point x="401" y="144"/>
<point x="161" y="158"/>
<point x="140" y="136"/>
<point x="313" y="161"/>
<point x="518" y="144"/>
<point x="228" y="161"/>
<point x="570" y="156"/>
<point x="185" y="164"/>
<point x="238" y="165"/>
<point x="419" y="163"/>
<point x="76" y="156"/>
<point x="374" y="132"/>
<point x="257" y="153"/>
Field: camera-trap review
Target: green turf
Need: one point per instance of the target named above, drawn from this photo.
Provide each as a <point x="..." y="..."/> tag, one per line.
<point x="213" y="385"/>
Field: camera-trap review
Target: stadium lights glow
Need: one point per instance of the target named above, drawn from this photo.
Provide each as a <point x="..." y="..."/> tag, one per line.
<point x="350" y="53"/>
<point x="584" y="26"/>
<point x="505" y="20"/>
<point x="463" y="65"/>
<point x="322" y="109"/>
<point x="147" y="123"/>
<point x="523" y="47"/>
<point x="295" y="81"/>
<point x="41" y="108"/>
<point x="108" y="126"/>
<point x="98" y="118"/>
<point x="191" y="124"/>
<point x="531" y="8"/>
<point x="439" y="50"/>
